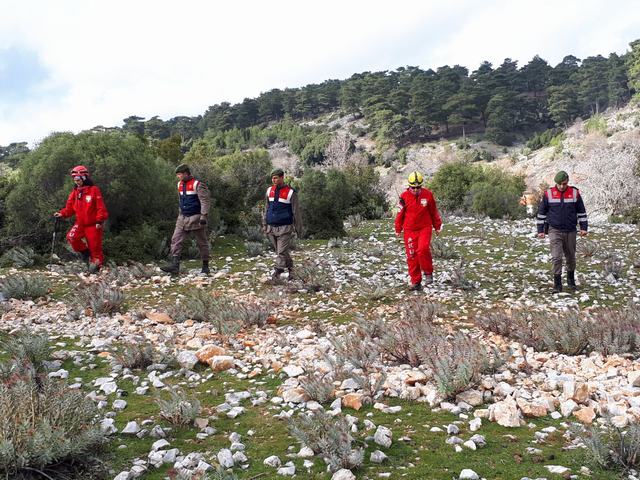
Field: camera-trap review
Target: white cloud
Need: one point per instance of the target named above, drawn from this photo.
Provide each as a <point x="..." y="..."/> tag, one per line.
<point x="108" y="60"/>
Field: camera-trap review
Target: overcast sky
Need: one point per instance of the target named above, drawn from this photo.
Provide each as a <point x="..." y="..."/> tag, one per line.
<point x="72" y="65"/>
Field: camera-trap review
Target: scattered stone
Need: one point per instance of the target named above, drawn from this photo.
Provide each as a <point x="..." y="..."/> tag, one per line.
<point x="383" y="436"/>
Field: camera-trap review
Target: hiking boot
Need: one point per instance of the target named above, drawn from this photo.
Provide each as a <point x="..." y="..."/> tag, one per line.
<point x="173" y="266"/>
<point x="276" y="273"/>
<point x="415" y="287"/>
<point x="557" y="283"/>
<point x="205" y="267"/>
<point x="571" y="281"/>
<point x="291" y="276"/>
<point x="428" y="279"/>
<point x="86" y="255"/>
<point x="94" y="268"/>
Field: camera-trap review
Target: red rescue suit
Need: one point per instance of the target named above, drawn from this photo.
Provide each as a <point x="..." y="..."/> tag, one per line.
<point x="417" y="216"/>
<point x="87" y="205"/>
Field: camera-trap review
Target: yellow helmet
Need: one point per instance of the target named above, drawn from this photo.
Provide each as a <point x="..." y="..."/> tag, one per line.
<point x="415" y="179"/>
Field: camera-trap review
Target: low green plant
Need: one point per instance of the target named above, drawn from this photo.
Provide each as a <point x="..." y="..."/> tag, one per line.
<point x="26" y="347"/>
<point x="23" y="287"/>
<point x="101" y="298"/>
<point x="596" y="124"/>
<point x="254" y="249"/>
<point x="19" y="257"/>
<point x="46" y="429"/>
<point x="135" y="355"/>
<point x="611" y="447"/>
<point x="328" y="436"/>
<point x="179" y="409"/>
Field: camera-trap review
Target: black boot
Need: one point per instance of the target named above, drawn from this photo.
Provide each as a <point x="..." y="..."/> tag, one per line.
<point x="415" y="287"/>
<point x="557" y="283"/>
<point x="173" y="266"/>
<point x="291" y="276"/>
<point x="205" y="267"/>
<point x="571" y="280"/>
<point x="276" y="273"/>
<point x="86" y="255"/>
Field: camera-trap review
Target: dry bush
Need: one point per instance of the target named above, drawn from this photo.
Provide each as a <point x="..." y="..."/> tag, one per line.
<point x="612" y="265"/>
<point x="28" y="348"/>
<point x="398" y="340"/>
<point x="328" y="437"/>
<point x="457" y="361"/>
<point x="374" y="291"/>
<point x="313" y="276"/>
<point x="100" y="297"/>
<point x="23" y="287"/>
<point x="354" y="220"/>
<point x="359" y="349"/>
<point x="459" y="278"/>
<point x="19" y="257"/>
<point x="319" y="386"/>
<point x="612" y="186"/>
<point x="615" y="331"/>
<point x="136" y="355"/>
<point x="254" y="249"/>
<point x="46" y="429"/>
<point x="607" y="331"/>
<point x="179" y="409"/>
<point x="587" y="248"/>
<point x="442" y="249"/>
<point x="611" y="447"/>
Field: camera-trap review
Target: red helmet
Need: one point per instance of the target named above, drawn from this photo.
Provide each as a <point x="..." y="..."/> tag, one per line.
<point x="79" y="170"/>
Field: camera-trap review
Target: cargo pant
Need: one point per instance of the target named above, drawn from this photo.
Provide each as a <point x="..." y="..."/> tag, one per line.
<point x="562" y="244"/>
<point x="417" y="244"/>
<point x="79" y="234"/>
<point x="280" y="238"/>
<point x="185" y="226"/>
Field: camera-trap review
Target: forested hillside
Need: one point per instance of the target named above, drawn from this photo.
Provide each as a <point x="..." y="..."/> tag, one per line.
<point x="340" y="136"/>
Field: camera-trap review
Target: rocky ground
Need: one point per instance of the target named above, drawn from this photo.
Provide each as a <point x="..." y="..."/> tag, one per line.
<point x="513" y="423"/>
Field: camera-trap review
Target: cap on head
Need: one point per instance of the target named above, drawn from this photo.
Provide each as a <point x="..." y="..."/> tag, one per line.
<point x="561" y="176"/>
<point x="183" y="168"/>
<point x="415" y="179"/>
<point x="79" y="171"/>
<point x="277" y="172"/>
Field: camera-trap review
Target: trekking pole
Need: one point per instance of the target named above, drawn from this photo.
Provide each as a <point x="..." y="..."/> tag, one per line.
<point x="56" y="225"/>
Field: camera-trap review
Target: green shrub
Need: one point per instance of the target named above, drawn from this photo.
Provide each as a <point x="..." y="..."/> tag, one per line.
<point x="135" y="355"/>
<point x="28" y="347"/>
<point x="23" y="287"/>
<point x="481" y="190"/>
<point x="596" y="124"/>
<point x="237" y="181"/>
<point x="452" y="183"/>
<point x="552" y="136"/>
<point x="19" y="257"/>
<point x="45" y="427"/>
<point x="122" y="165"/>
<point x="179" y="409"/>
<point x="313" y="151"/>
<point x="100" y="297"/>
<point x="611" y="447"/>
<point x="496" y="201"/>
<point x="328" y="436"/>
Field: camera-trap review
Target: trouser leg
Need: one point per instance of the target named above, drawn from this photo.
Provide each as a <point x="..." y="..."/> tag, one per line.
<point x="424" y="251"/>
<point x="94" y="239"/>
<point x="569" y="249"/>
<point x="284" y="259"/>
<point x="176" y="241"/>
<point x="557" y="250"/>
<point x="203" y="243"/>
<point x="75" y="238"/>
<point x="411" y="250"/>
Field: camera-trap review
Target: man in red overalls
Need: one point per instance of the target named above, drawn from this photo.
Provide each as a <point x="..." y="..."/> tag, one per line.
<point x="418" y="216"/>
<point x="85" y="202"/>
